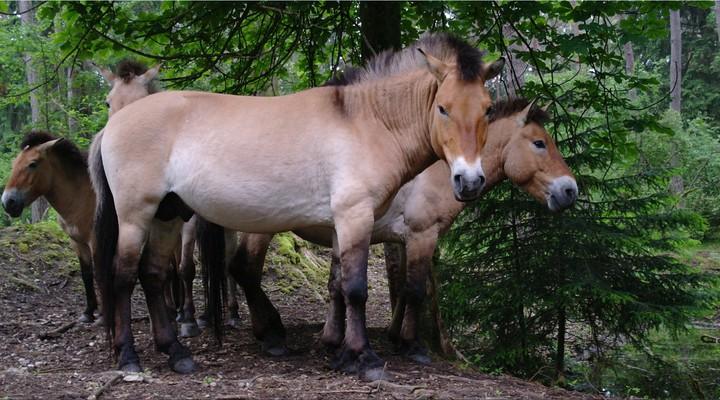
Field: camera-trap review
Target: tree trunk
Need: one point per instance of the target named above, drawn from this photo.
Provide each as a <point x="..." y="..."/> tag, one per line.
<point x="379" y="26"/>
<point x="560" y="354"/>
<point x="27" y="18"/>
<point x="630" y="66"/>
<point x="677" y="185"/>
<point x="675" y="60"/>
<point x="70" y="80"/>
<point x="516" y="72"/>
<point x="717" y="18"/>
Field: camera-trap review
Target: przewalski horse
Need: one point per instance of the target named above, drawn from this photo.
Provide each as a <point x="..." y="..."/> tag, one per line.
<point x="133" y="81"/>
<point x="56" y="169"/>
<point x="331" y="157"/>
<point x="518" y="148"/>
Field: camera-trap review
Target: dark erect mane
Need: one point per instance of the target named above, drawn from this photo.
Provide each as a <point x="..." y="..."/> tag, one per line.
<point x="443" y="46"/>
<point x="64" y="149"/>
<point x="128" y="69"/>
<point x="508" y="107"/>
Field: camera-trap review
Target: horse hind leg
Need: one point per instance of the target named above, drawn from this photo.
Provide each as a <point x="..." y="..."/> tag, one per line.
<point x="154" y="271"/>
<point x="188" y="325"/>
<point x="419" y="250"/>
<point x="333" y="331"/>
<point x="247" y="267"/>
<point x="231" y="246"/>
<point x="129" y="246"/>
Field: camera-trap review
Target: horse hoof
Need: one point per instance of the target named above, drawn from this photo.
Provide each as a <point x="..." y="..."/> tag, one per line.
<point x="420" y="358"/>
<point x="131" y="367"/>
<point x="86" y="318"/>
<point x="202" y="323"/>
<point x="183" y="366"/>
<point x="234" y="323"/>
<point x="275" y="350"/>
<point x="189" y="329"/>
<point x="100" y="321"/>
<point x="374" y="374"/>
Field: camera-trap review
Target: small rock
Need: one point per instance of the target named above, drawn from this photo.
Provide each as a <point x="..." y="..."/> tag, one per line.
<point x="133" y="378"/>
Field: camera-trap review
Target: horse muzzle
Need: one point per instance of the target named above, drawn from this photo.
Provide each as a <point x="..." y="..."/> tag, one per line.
<point x="13" y="202"/>
<point x="563" y="193"/>
<point x="467" y="189"/>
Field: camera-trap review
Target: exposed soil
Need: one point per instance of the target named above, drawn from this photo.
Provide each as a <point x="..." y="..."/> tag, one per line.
<point x="41" y="292"/>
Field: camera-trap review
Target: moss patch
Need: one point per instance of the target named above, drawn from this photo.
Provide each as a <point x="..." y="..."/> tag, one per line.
<point x="36" y="253"/>
<point x="296" y="264"/>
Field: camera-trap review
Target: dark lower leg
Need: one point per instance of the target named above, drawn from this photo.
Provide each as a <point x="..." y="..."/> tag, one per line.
<point x="356" y="354"/>
<point x="418" y="272"/>
<point x="123" y="342"/>
<point x="89" y="284"/>
<point x="153" y="280"/>
<point x="334" y="329"/>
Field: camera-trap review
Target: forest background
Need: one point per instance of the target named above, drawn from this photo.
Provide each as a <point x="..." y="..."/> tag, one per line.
<point x="612" y="297"/>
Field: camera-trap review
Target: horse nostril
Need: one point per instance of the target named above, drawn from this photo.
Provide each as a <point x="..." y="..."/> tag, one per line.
<point x="570" y="193"/>
<point x="482" y="180"/>
<point x="457" y="178"/>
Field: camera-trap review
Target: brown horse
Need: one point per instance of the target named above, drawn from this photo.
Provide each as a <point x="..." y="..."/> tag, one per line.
<point x="56" y="169"/>
<point x="517" y="148"/>
<point x="331" y="157"/>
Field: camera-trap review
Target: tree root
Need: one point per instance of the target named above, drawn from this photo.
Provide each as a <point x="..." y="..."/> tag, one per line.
<point x="56" y="333"/>
<point x="102" y="389"/>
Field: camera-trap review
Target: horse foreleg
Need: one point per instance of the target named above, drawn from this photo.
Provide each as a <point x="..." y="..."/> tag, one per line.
<point x="419" y="250"/>
<point x="334" y="330"/>
<point x="247" y="268"/>
<point x="353" y="227"/>
<point x="88" y="278"/>
<point x="154" y="273"/>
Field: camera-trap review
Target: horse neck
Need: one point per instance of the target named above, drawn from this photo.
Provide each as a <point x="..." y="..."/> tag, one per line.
<point x="493" y="154"/>
<point x="400" y="105"/>
<point x="71" y="193"/>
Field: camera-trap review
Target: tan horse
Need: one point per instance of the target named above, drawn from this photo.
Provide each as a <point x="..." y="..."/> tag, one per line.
<point x="517" y="148"/>
<point x="330" y="156"/>
<point x="133" y="81"/>
<point x="56" y="169"/>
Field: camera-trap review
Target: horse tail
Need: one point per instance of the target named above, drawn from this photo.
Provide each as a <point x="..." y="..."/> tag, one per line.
<point x="106" y="235"/>
<point x="211" y="246"/>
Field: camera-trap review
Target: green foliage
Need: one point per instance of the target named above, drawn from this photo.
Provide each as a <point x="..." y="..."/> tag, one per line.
<point x="519" y="283"/>
<point x="521" y="288"/>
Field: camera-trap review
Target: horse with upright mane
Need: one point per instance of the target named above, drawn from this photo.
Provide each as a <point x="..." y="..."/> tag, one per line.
<point x="518" y="148"/>
<point x="331" y="157"/>
<point x="55" y="168"/>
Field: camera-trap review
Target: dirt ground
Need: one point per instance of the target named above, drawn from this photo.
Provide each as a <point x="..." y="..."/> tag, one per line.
<point x="40" y="291"/>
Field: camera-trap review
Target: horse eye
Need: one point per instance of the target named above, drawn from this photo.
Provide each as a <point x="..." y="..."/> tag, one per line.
<point x="107" y="104"/>
<point x="32" y="165"/>
<point x="539" y="144"/>
<point x="443" y="111"/>
<point x="490" y="111"/>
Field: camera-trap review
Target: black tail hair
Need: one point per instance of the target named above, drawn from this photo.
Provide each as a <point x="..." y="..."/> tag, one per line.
<point x="106" y="237"/>
<point x="211" y="246"/>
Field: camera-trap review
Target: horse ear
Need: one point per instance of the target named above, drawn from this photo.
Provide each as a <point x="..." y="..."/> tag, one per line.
<point x="437" y="67"/>
<point x="150" y="74"/>
<point x="522" y="115"/>
<point x="43" y="148"/>
<point x="106" y="73"/>
<point x="494" y="69"/>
